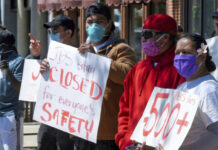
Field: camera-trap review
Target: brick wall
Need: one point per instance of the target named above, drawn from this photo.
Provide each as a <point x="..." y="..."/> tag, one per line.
<point x="174" y="9"/>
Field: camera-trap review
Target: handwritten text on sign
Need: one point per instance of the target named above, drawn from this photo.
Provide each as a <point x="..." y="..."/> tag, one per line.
<point x="167" y="118"/>
<point x="71" y="93"/>
<point x="30" y="81"/>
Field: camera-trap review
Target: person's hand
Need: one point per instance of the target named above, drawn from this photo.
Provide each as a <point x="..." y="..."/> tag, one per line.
<point x="71" y="136"/>
<point x="44" y="66"/>
<point x="35" y="46"/>
<point x="4" y="64"/>
<point x="160" y="147"/>
<point x="86" y="48"/>
<point x="143" y="146"/>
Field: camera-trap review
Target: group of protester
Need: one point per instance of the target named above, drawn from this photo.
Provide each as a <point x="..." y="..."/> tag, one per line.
<point x="184" y="64"/>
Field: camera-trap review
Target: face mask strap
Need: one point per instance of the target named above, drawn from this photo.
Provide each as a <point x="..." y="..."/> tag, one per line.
<point x="106" y="28"/>
<point x="160" y="37"/>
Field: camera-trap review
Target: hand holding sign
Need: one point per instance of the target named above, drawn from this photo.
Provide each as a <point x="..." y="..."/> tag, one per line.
<point x="70" y="98"/>
<point x="35" y="46"/>
<point x="86" y="48"/>
<point x="44" y="66"/>
<point x="166" y="119"/>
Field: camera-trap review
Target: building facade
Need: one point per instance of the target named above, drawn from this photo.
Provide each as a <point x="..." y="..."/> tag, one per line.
<point x="129" y="15"/>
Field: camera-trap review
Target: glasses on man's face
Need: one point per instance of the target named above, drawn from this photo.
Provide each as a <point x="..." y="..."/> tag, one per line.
<point x="55" y="30"/>
<point x="52" y="31"/>
<point x="147" y="34"/>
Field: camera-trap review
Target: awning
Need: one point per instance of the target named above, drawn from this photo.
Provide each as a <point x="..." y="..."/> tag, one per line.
<point x="119" y="2"/>
<point x="46" y="5"/>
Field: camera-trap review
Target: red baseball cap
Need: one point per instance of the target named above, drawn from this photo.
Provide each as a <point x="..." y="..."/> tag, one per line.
<point x="161" y="22"/>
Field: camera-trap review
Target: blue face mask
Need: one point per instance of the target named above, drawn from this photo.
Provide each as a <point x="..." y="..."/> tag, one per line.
<point x="56" y="37"/>
<point x="95" y="32"/>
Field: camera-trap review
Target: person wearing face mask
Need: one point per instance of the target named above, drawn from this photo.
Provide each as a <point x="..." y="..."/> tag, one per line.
<point x="102" y="41"/>
<point x="158" y="43"/>
<point x="193" y="62"/>
<point x="60" y="29"/>
<point x="11" y="109"/>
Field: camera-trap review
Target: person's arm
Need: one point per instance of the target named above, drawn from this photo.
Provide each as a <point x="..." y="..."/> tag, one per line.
<point x="14" y="77"/>
<point x="122" y="138"/>
<point x="35" y="48"/>
<point x="206" y="142"/>
<point x="15" y="83"/>
<point x="120" y="66"/>
<point x="209" y="116"/>
<point x="125" y="60"/>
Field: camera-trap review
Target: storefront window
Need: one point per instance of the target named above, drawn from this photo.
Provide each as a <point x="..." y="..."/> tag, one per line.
<point x="196" y="16"/>
<point x="158" y="8"/>
<point x="117" y="21"/>
<point x="135" y="26"/>
<point x="210" y="8"/>
<point x="199" y="16"/>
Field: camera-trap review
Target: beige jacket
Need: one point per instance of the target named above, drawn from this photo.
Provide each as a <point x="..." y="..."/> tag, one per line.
<point x="123" y="59"/>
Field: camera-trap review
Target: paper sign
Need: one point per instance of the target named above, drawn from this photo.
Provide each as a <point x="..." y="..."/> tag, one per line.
<point x="30" y="80"/>
<point x="71" y="93"/>
<point x="167" y="118"/>
<point x="213" y="48"/>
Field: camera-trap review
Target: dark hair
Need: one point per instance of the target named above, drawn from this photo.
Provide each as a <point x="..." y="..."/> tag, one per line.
<point x="180" y="29"/>
<point x="7" y="37"/>
<point x="7" y="42"/>
<point x="173" y="39"/>
<point x="196" y="43"/>
<point x="99" y="8"/>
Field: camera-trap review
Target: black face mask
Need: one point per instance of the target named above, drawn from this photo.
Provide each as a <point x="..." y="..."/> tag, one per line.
<point x="6" y="50"/>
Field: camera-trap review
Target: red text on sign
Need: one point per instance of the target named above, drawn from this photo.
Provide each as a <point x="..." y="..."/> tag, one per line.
<point x="166" y="120"/>
<point x="73" y="123"/>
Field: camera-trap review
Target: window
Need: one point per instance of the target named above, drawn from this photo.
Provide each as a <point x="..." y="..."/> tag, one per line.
<point x="117" y="21"/>
<point x="158" y="7"/>
<point x="208" y="21"/>
<point x="13" y="4"/>
<point x="198" y="16"/>
<point x="135" y="28"/>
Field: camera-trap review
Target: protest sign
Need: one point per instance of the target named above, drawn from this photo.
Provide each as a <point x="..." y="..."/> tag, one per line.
<point x="213" y="47"/>
<point x="71" y="93"/>
<point x="30" y="80"/>
<point x="167" y="118"/>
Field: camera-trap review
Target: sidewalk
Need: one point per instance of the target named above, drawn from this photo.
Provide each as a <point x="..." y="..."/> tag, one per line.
<point x="30" y="135"/>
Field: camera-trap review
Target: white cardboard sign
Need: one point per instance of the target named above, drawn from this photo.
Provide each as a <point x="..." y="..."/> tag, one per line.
<point x="71" y="93"/>
<point x="30" y="80"/>
<point x="213" y="47"/>
<point x="167" y="118"/>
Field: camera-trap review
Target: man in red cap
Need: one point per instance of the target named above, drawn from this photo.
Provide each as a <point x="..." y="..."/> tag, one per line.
<point x="158" y="43"/>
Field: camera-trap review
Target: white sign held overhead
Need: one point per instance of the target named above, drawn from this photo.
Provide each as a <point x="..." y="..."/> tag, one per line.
<point x="167" y="118"/>
<point x="71" y="92"/>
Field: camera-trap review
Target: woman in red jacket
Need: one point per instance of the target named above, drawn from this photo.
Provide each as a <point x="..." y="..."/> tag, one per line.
<point x="158" y="43"/>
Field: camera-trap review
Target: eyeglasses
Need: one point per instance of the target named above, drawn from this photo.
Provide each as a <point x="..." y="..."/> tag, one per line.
<point x="147" y="34"/>
<point x="54" y="31"/>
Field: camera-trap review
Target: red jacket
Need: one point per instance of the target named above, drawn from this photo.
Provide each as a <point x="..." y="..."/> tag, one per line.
<point x="138" y="86"/>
